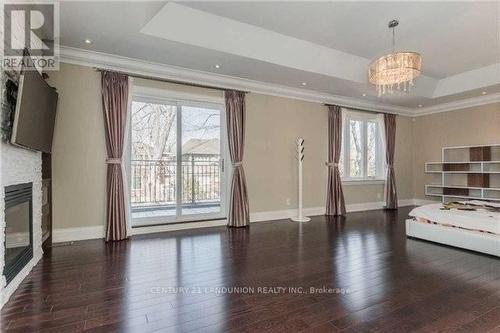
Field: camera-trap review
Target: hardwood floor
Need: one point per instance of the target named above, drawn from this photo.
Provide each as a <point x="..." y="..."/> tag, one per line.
<point x="385" y="282"/>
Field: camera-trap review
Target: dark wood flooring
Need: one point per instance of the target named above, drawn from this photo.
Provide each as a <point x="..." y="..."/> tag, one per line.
<point x="390" y="283"/>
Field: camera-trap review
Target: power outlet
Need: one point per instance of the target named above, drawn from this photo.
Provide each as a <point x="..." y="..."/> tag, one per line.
<point x="288" y="201"/>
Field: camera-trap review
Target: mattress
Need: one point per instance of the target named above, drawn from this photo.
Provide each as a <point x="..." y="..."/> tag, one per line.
<point x="480" y="220"/>
<point x="470" y="240"/>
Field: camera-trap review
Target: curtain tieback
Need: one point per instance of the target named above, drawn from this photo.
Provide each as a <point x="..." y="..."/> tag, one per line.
<point x="114" y="161"/>
<point x="237" y="164"/>
<point x="331" y="164"/>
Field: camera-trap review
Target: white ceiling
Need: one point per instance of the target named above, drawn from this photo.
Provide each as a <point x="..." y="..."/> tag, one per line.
<point x="360" y="28"/>
<point x="326" y="44"/>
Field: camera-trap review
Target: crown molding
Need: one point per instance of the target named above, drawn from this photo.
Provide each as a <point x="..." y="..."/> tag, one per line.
<point x="140" y="67"/>
<point x="133" y="66"/>
<point x="460" y="104"/>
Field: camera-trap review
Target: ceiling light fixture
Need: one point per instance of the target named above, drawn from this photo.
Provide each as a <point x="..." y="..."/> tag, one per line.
<point x="396" y="70"/>
<point x="304" y="83"/>
<point x="483" y="93"/>
<point x="420" y="105"/>
<point x="364" y="95"/>
<point x="217" y="66"/>
<point x="87" y="41"/>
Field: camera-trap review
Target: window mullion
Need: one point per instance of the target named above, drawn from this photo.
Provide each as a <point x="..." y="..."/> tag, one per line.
<point x="347" y="159"/>
<point x="379" y="152"/>
<point x="178" y="180"/>
<point x="364" y="145"/>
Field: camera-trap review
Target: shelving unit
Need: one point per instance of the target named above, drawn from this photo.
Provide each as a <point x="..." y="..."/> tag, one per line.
<point x="466" y="172"/>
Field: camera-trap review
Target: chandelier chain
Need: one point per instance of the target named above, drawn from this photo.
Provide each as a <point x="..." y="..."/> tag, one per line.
<point x="393" y="39"/>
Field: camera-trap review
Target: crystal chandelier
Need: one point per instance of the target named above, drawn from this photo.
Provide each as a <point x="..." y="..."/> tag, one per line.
<point x="397" y="70"/>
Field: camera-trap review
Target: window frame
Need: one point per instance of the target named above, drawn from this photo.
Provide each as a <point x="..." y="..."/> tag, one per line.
<point x="365" y="118"/>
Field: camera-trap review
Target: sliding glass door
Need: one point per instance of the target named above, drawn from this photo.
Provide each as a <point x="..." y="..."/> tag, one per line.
<point x="177" y="158"/>
<point x="201" y="160"/>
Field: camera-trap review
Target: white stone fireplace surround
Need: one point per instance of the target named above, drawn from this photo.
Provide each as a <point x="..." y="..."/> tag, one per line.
<point x="18" y="166"/>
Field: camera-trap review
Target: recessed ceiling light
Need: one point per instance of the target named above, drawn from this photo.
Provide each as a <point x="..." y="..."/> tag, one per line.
<point x="364" y="95"/>
<point x="304" y="83"/>
<point x="87" y="41"/>
<point x="217" y="66"/>
<point x="420" y="105"/>
<point x="484" y="93"/>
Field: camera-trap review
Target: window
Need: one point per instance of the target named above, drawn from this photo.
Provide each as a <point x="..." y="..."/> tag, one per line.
<point x="362" y="147"/>
<point x="177" y="156"/>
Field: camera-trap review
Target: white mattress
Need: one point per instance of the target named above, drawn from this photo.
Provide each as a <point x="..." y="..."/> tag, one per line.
<point x="470" y="240"/>
<point x="479" y="220"/>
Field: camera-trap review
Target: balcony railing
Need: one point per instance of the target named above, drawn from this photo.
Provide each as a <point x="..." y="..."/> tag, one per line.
<point x="154" y="181"/>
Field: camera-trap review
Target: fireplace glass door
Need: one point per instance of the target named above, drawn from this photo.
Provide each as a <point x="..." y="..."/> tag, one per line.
<point x="18" y="229"/>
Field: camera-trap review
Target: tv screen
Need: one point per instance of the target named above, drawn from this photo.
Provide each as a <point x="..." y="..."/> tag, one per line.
<point x="35" y="113"/>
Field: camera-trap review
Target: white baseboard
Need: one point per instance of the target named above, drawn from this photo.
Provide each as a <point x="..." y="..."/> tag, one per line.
<point x="284" y="214"/>
<point x="376" y="205"/>
<point x="177" y="226"/>
<point x="76" y="234"/>
<point x="350" y="208"/>
<point x="95" y="232"/>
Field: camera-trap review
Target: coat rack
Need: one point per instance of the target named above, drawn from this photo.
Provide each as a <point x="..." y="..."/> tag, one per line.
<point x="300" y="159"/>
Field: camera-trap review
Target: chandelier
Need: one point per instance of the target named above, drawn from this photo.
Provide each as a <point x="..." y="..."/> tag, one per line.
<point x="397" y="70"/>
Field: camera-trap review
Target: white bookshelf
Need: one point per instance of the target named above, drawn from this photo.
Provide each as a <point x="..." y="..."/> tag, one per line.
<point x="466" y="172"/>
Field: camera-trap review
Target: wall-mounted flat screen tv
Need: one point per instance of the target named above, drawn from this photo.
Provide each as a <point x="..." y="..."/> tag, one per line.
<point x="35" y="113"/>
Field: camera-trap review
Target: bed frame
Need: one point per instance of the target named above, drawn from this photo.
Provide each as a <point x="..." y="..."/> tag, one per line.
<point x="470" y="240"/>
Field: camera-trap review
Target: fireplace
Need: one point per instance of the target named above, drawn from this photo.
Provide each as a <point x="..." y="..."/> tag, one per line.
<point x="18" y="228"/>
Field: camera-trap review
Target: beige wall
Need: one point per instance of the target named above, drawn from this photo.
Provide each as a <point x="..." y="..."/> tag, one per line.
<point x="472" y="126"/>
<point x="79" y="151"/>
<point x="273" y="124"/>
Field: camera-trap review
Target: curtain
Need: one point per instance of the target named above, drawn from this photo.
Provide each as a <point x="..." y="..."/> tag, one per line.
<point x="115" y="106"/>
<point x="391" y="196"/>
<point x="238" y="215"/>
<point x="335" y="204"/>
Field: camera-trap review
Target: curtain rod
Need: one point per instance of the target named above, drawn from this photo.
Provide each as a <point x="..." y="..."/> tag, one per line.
<point x="153" y="78"/>
<point x="353" y="108"/>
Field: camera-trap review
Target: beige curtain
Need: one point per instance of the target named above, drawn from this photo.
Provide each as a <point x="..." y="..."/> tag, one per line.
<point x="335" y="204"/>
<point x="391" y="196"/>
<point x="115" y="105"/>
<point x="238" y="215"/>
